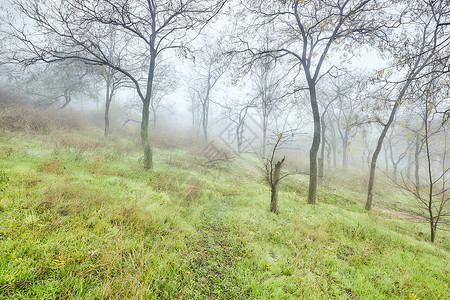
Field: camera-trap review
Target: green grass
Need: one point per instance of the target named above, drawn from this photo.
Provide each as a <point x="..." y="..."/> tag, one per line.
<point x="81" y="219"/>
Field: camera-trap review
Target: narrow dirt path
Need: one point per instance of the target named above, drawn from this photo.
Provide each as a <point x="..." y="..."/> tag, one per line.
<point x="213" y="268"/>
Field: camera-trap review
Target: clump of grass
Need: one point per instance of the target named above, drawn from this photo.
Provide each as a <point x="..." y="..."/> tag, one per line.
<point x="161" y="182"/>
<point x="192" y="191"/>
<point x="53" y="166"/>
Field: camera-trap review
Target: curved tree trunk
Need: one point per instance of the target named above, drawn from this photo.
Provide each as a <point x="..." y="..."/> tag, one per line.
<point x="373" y="163"/>
<point x="314" y="147"/>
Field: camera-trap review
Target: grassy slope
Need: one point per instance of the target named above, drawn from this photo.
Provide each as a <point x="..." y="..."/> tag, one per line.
<point x="79" y="218"/>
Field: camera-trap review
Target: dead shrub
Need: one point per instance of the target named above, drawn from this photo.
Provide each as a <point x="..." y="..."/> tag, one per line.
<point x="52" y="167"/>
<point x="37" y="120"/>
<point x="19" y="114"/>
<point x="96" y="165"/>
<point x="64" y="140"/>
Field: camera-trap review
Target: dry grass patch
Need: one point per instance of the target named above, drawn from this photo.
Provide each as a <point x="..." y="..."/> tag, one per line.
<point x="192" y="191"/>
<point x="52" y="167"/>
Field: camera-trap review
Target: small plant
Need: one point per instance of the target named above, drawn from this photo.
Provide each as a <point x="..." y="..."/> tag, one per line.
<point x="4" y="178"/>
<point x="272" y="169"/>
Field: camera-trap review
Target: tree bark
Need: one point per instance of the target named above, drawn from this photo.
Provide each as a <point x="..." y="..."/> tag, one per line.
<point x="416" y="162"/>
<point x="314" y="147"/>
<point x="373" y="163"/>
<point x="148" y="153"/>
<point x="322" y="151"/>
<point x="344" y="150"/>
<point x="274" y="187"/>
<point x="333" y="146"/>
<point x="107" y="106"/>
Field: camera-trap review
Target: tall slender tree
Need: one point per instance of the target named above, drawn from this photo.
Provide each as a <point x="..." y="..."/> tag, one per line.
<point x="308" y="32"/>
<point x="77" y="29"/>
<point x="418" y="44"/>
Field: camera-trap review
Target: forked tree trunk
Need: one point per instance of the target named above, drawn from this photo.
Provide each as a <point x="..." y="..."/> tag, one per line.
<point x="274" y="186"/>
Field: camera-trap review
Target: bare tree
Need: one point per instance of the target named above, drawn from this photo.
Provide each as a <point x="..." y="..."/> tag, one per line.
<point x="75" y="80"/>
<point x="416" y="53"/>
<point x="432" y="193"/>
<point x="210" y="66"/>
<point x="324" y="140"/>
<point x="348" y="109"/>
<point x="272" y="168"/>
<point x="236" y="112"/>
<point x="76" y="29"/>
<point x="398" y="146"/>
<point x="308" y="32"/>
<point x="114" y="80"/>
<point x="165" y="83"/>
<point x="266" y="84"/>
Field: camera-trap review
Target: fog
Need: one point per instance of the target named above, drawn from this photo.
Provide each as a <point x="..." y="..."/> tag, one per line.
<point x="370" y="94"/>
<point x="224" y="149"/>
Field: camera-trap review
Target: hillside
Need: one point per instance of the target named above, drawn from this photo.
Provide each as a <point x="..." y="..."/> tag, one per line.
<point x="81" y="219"/>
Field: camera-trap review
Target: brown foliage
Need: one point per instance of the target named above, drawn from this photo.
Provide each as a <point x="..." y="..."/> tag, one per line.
<point x="17" y="114"/>
<point x="192" y="191"/>
<point x="54" y="167"/>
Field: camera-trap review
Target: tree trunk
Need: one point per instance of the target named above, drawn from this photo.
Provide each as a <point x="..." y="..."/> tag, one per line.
<point x="107" y="105"/>
<point x="205" y="124"/>
<point x="322" y="151"/>
<point x="416" y="162"/>
<point x="394" y="172"/>
<point x="408" y="169"/>
<point x="148" y="153"/>
<point x="274" y="187"/>
<point x="433" y="231"/>
<point x="314" y="147"/>
<point x="373" y="163"/>
<point x="329" y="157"/>
<point x="264" y="132"/>
<point x="333" y="146"/>
<point x="344" y="151"/>
<point x="386" y="160"/>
